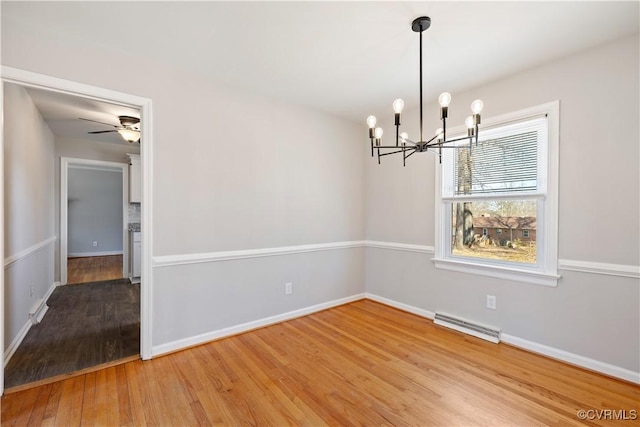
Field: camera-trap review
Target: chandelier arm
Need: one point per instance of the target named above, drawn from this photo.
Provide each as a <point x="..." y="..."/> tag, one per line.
<point x="428" y="143"/>
<point x="411" y="142"/>
<point x="404" y="156"/>
<point x="371" y="147"/>
<point x="390" y="147"/>
<point x="446" y="146"/>
<point x="410" y="154"/>
<point x="393" y="152"/>
<point x="441" y="143"/>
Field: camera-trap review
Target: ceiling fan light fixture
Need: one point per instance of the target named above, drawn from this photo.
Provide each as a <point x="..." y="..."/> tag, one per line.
<point x="129" y="135"/>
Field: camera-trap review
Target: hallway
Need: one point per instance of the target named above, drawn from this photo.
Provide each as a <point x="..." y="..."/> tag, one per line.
<point x="86" y="325"/>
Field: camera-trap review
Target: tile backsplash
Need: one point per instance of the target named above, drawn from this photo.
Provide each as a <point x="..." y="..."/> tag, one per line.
<point x="134" y="212"/>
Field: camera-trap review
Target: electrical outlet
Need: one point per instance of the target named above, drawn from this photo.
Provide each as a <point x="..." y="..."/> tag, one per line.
<point x="288" y="288"/>
<point x="95" y="244"/>
<point x="491" y="302"/>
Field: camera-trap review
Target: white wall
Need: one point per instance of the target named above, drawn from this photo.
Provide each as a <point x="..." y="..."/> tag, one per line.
<point x="29" y="234"/>
<point x="95" y="211"/>
<point x="243" y="172"/>
<point x="595" y="316"/>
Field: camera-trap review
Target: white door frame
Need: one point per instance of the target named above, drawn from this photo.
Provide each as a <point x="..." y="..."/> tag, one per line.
<point x="41" y="81"/>
<point x="65" y="164"/>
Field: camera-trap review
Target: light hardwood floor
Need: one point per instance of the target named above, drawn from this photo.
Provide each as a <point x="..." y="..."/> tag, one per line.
<point x="94" y="269"/>
<point x="358" y="364"/>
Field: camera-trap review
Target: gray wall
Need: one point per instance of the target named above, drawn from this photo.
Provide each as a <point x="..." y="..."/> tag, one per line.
<point x="94" y="211"/>
<point x="593" y="315"/>
<point x="88" y="150"/>
<point x="28" y="199"/>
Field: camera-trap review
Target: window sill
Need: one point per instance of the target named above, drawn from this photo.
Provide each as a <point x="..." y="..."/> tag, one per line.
<point x="499" y="272"/>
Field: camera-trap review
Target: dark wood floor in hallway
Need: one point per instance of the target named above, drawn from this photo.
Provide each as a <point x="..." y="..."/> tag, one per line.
<point x="358" y="364"/>
<point x="86" y="325"/>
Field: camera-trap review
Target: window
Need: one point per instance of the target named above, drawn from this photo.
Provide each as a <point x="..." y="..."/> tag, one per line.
<point x="507" y="181"/>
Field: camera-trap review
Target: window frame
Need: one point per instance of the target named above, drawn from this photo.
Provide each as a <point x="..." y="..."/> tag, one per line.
<point x="545" y="271"/>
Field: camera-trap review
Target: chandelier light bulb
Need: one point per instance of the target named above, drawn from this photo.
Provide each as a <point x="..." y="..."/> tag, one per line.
<point x="378" y="133"/>
<point x="444" y="99"/>
<point x="439" y="132"/>
<point x="476" y="106"/>
<point x="398" y="105"/>
<point x="371" y="122"/>
<point x="404" y="136"/>
<point x="469" y="122"/>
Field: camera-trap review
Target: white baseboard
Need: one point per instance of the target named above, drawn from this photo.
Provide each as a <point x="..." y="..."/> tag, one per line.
<point x="10" y="351"/>
<point x="400" y="306"/>
<point x="554" y="353"/>
<point x="90" y="254"/>
<point x="38" y="310"/>
<point x="245" y="327"/>
<point x="573" y="359"/>
<point x="50" y="291"/>
<point x="27" y="326"/>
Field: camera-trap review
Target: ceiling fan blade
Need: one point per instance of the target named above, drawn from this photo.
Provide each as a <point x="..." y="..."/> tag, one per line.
<point x="95" y="121"/>
<point x="103" y="131"/>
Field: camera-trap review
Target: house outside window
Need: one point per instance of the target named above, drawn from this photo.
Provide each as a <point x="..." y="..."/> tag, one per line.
<point x="507" y="181"/>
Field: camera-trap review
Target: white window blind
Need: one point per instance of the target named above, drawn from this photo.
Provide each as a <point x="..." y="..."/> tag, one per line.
<point x="505" y="160"/>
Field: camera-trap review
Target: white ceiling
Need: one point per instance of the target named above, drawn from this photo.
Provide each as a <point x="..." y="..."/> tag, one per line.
<point x="62" y="113"/>
<point x="347" y="58"/>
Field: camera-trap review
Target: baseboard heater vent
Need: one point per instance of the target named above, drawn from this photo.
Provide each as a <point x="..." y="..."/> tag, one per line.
<point x="467" y="327"/>
<point x="38" y="311"/>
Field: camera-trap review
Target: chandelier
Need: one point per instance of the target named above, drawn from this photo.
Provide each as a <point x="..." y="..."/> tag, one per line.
<point x="439" y="141"/>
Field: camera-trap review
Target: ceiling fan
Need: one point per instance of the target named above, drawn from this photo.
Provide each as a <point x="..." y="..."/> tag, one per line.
<point x="128" y="128"/>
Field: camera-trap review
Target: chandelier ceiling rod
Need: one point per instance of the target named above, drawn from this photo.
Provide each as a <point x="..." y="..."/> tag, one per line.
<point x="440" y="139"/>
<point x="427" y="23"/>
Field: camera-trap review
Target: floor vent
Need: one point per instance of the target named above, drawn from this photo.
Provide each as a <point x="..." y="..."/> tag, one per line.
<point x="38" y="311"/>
<point x="480" y="331"/>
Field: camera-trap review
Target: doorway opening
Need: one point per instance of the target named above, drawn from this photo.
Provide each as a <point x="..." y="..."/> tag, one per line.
<point x="94" y="220"/>
<point x="11" y="331"/>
